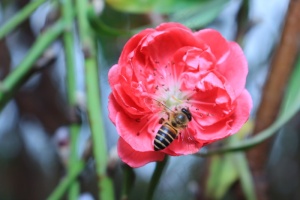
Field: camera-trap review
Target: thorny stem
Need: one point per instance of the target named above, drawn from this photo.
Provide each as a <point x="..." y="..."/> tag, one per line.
<point x="23" y="71"/>
<point x="160" y="166"/>
<point x="105" y="186"/>
<point x="68" y="40"/>
<point x="21" y="16"/>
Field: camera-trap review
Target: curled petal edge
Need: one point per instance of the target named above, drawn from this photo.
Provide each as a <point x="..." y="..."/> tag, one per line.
<point x="135" y="158"/>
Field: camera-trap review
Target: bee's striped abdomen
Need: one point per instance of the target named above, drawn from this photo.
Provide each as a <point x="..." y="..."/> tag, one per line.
<point x="164" y="137"/>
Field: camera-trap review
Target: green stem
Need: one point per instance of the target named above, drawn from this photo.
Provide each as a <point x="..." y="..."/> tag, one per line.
<point x="97" y="129"/>
<point x="160" y="166"/>
<point x="127" y="183"/>
<point x="21" y="16"/>
<point x="244" y="145"/>
<point x="103" y="29"/>
<point x="24" y="70"/>
<point x="68" y="40"/>
<point x="73" y="173"/>
<point x="94" y="102"/>
<point x="242" y="167"/>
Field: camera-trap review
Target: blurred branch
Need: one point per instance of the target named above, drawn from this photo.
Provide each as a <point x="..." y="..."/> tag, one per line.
<point x="5" y="58"/>
<point x="282" y="65"/>
<point x="68" y="40"/>
<point x="73" y="173"/>
<point x="26" y="68"/>
<point x="105" y="186"/>
<point x="19" y="17"/>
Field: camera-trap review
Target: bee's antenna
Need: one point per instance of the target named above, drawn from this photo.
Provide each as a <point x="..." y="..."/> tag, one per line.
<point x="162" y="104"/>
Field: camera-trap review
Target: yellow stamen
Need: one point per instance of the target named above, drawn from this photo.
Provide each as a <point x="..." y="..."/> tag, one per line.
<point x="178" y="100"/>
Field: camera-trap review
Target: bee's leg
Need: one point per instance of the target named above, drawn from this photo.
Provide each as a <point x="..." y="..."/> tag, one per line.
<point x="182" y="135"/>
<point x="161" y="120"/>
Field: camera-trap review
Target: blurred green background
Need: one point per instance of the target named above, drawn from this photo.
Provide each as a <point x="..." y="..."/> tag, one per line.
<point x="35" y="142"/>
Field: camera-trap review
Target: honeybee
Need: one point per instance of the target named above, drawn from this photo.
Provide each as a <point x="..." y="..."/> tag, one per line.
<point x="177" y="121"/>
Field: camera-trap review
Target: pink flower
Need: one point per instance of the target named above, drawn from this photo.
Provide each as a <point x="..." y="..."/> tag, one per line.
<point x="164" y="70"/>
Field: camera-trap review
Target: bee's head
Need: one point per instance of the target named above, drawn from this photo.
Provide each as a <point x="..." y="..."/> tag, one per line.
<point x="187" y="112"/>
<point x="182" y="118"/>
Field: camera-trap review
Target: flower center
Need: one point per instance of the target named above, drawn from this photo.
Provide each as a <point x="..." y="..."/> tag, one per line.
<point x="172" y="96"/>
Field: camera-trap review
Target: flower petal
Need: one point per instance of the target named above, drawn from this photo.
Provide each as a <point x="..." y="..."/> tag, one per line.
<point x="138" y="133"/>
<point x="185" y="144"/>
<point x="217" y="43"/>
<point x="212" y="133"/>
<point x="160" y="46"/>
<point x="113" y="75"/>
<point x="235" y="68"/>
<point x="113" y="108"/>
<point x="125" y="98"/>
<point x="135" y="158"/>
<point x="227" y="126"/>
<point x="191" y="59"/>
<point x="165" y="26"/>
<point x="131" y="45"/>
<point x="242" y="111"/>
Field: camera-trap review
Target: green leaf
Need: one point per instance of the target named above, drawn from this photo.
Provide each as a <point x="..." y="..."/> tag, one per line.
<point x="244" y="174"/>
<point x="193" y="13"/>
<point x="158" y="6"/>
<point x="292" y="92"/>
<point x="221" y="176"/>
<point x="199" y="15"/>
<point x="227" y="169"/>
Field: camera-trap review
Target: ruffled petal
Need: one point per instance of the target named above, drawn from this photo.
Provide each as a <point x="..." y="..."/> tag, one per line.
<point x="113" y="75"/>
<point x="212" y="100"/>
<point x="229" y="125"/>
<point x="125" y="98"/>
<point x="135" y="158"/>
<point x="113" y="108"/>
<point x="132" y="44"/>
<point x="192" y="59"/>
<point x="242" y="111"/>
<point x="160" y="46"/>
<point x="139" y="133"/>
<point x="217" y="43"/>
<point x="235" y="68"/>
